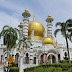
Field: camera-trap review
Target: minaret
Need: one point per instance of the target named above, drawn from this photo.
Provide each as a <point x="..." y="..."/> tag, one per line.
<point x="24" y="27"/>
<point x="49" y="25"/>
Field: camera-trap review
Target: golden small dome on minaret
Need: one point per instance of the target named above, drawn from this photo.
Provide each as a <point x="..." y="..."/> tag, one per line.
<point x="22" y="48"/>
<point x="49" y="15"/>
<point x="51" y="36"/>
<point x="56" y="41"/>
<point x="21" y="22"/>
<point x="54" y="46"/>
<point x="26" y="10"/>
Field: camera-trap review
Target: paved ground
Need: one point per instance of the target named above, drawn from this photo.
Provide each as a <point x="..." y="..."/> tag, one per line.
<point x="1" y="68"/>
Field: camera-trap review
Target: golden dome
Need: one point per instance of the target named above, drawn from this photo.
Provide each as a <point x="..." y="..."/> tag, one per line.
<point x="47" y="41"/>
<point x="54" y="46"/>
<point x="38" y="29"/>
<point x="21" y="22"/>
<point x="49" y="15"/>
<point x="26" y="10"/>
<point x="22" y="48"/>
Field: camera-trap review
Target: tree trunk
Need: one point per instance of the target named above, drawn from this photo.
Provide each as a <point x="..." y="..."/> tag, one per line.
<point x="68" y="50"/>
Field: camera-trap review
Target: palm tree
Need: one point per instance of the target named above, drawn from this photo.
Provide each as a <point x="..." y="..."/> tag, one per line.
<point x="23" y="40"/>
<point x="63" y="29"/>
<point x="10" y="37"/>
<point x="69" y="25"/>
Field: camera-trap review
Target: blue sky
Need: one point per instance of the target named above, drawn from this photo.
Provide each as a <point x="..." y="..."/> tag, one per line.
<point x="11" y="12"/>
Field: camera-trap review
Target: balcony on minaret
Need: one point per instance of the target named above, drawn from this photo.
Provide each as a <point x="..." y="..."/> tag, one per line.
<point x="49" y="19"/>
<point x="26" y="14"/>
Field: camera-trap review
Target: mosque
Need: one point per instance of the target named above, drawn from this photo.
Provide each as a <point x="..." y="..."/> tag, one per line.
<point x="44" y="49"/>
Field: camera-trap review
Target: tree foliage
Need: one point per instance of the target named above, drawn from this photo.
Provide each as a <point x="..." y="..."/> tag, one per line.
<point x="9" y="35"/>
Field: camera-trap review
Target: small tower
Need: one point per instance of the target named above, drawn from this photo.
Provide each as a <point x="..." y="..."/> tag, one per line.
<point x="24" y="25"/>
<point x="49" y="25"/>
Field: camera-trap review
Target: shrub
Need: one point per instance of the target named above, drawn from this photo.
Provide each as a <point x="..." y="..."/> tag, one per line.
<point x="51" y="69"/>
<point x="14" y="69"/>
<point x="58" y="69"/>
<point x="70" y="70"/>
<point x="40" y="69"/>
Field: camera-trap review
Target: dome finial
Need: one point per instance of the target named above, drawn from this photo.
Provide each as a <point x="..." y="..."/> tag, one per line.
<point x="34" y="16"/>
<point x="56" y="41"/>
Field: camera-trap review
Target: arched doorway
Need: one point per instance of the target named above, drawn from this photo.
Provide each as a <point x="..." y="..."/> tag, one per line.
<point x="34" y="60"/>
<point x="51" y="59"/>
<point x="27" y="58"/>
<point x="16" y="57"/>
<point x="43" y="58"/>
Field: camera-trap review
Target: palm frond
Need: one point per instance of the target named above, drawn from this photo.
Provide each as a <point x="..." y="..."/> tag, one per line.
<point x="56" y="31"/>
<point x="58" y="24"/>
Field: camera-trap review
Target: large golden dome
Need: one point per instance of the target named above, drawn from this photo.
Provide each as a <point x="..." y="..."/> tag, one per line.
<point x="47" y="41"/>
<point x="38" y="29"/>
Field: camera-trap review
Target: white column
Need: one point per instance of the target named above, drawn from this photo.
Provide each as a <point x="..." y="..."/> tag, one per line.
<point x="51" y="59"/>
<point x="36" y="61"/>
<point x="21" y="64"/>
<point x="56" y="58"/>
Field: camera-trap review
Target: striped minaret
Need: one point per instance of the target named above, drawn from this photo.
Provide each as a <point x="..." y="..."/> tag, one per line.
<point x="49" y="25"/>
<point x="26" y="16"/>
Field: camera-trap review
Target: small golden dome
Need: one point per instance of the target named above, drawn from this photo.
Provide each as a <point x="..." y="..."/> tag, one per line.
<point x="51" y="36"/>
<point x="26" y="10"/>
<point x="54" y="46"/>
<point x="56" y="41"/>
<point x="49" y="15"/>
<point x="47" y="41"/>
<point x="21" y="22"/>
<point x="22" y="48"/>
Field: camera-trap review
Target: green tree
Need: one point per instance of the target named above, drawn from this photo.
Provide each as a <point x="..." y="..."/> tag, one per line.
<point x="10" y="36"/>
<point x="69" y="25"/>
<point x="63" y="29"/>
<point x="23" y="41"/>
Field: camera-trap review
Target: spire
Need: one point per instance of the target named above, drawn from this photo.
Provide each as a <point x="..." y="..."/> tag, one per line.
<point x="34" y="16"/>
<point x="47" y="33"/>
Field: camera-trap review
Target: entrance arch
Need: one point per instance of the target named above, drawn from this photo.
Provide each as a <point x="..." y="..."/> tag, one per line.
<point x="27" y="58"/>
<point x="53" y="58"/>
<point x="16" y="57"/>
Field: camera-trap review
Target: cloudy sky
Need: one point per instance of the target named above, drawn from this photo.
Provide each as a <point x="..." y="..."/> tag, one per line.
<point x="11" y="12"/>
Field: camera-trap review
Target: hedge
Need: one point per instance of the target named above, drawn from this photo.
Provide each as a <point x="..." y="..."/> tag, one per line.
<point x="60" y="65"/>
<point x="14" y="69"/>
<point x="65" y="61"/>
